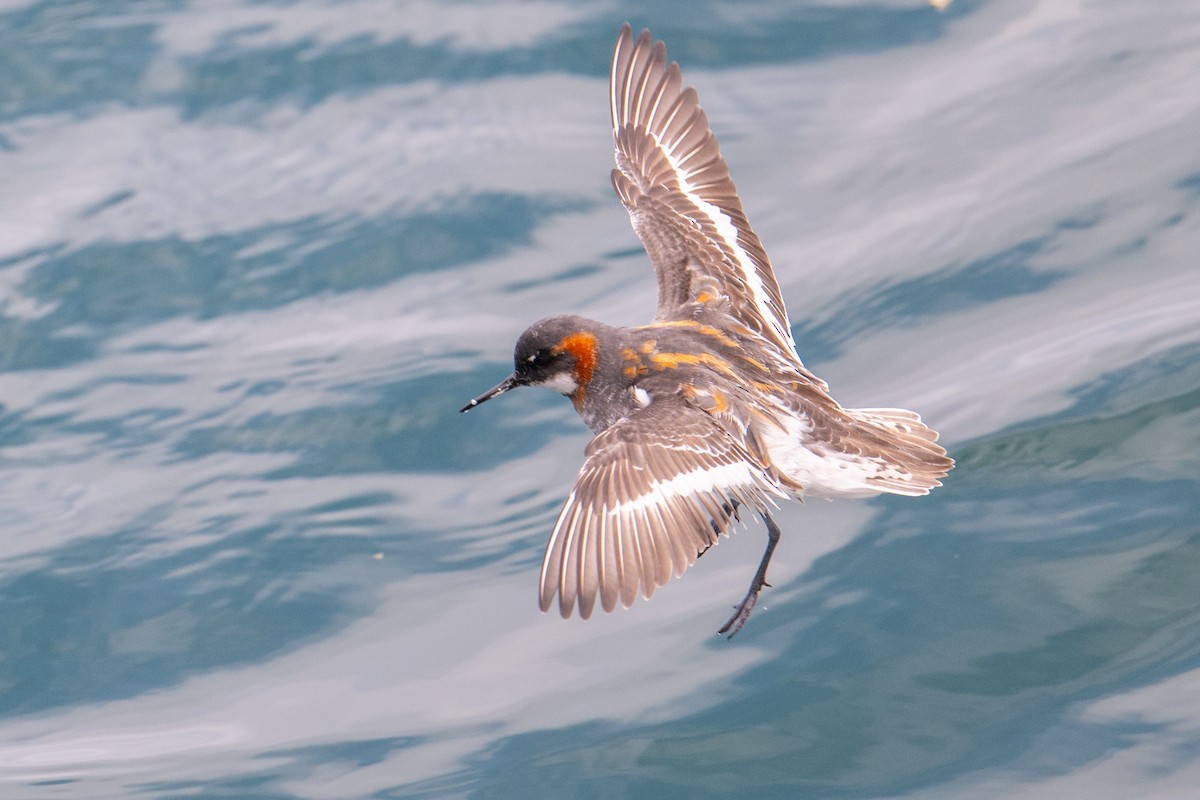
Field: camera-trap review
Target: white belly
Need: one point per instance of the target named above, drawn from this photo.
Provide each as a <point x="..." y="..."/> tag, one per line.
<point x="822" y="471"/>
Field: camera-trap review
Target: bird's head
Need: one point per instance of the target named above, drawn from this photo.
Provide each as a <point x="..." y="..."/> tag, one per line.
<point x="558" y="353"/>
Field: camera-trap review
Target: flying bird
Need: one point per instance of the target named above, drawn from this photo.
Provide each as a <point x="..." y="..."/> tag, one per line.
<point x="708" y="410"/>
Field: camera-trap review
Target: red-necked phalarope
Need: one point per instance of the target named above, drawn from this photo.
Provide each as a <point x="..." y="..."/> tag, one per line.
<point x="708" y="408"/>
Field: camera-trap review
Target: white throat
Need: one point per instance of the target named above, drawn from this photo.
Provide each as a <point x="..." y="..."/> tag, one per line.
<point x="562" y="382"/>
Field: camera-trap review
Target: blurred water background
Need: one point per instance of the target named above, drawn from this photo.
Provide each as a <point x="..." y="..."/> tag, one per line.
<point x="255" y="255"/>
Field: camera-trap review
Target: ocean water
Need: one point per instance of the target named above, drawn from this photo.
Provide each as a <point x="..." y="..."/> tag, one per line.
<point x="254" y="256"/>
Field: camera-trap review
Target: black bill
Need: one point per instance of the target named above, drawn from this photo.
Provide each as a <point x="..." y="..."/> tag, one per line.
<point x="508" y="383"/>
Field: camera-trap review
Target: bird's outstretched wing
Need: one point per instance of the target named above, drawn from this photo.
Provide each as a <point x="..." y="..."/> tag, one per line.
<point x="655" y="490"/>
<point x="683" y="205"/>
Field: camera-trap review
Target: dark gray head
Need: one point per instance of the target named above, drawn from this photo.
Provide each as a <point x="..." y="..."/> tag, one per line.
<point x="557" y="352"/>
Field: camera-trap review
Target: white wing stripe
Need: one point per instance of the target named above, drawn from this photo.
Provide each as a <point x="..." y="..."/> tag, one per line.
<point x="705" y="479"/>
<point x="728" y="232"/>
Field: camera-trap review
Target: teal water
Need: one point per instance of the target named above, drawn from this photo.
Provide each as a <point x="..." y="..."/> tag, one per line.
<point x="255" y="256"/>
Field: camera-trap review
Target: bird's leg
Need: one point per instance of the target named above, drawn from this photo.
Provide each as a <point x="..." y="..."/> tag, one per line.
<point x="760" y="580"/>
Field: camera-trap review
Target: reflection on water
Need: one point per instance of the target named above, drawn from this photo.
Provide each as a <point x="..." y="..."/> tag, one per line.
<point x="254" y="257"/>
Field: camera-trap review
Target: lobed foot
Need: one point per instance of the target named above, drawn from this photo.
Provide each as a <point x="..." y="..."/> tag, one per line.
<point x="742" y="613"/>
<point x="760" y="580"/>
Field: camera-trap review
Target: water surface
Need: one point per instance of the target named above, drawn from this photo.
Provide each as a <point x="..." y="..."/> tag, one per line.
<point x="254" y="257"/>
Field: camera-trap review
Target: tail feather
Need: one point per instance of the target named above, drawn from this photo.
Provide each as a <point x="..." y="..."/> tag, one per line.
<point x="909" y="445"/>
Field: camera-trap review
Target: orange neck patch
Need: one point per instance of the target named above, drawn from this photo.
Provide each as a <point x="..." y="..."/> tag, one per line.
<point x="582" y="346"/>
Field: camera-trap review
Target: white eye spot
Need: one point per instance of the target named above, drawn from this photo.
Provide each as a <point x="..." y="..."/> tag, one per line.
<point x="641" y="396"/>
<point x="532" y="358"/>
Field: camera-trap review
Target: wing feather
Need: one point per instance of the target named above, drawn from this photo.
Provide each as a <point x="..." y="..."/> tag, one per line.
<point x="682" y="203"/>
<point x="651" y="497"/>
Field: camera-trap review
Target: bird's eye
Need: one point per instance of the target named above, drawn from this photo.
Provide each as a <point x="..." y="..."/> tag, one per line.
<point x="540" y="359"/>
